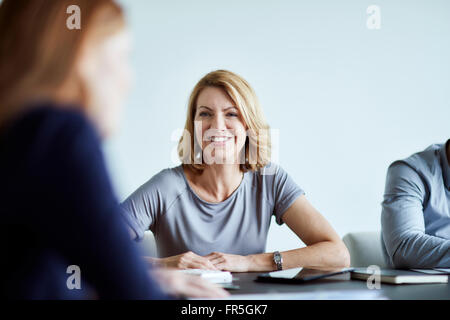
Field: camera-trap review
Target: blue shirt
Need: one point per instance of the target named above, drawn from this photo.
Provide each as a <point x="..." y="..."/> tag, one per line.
<point x="415" y="216"/>
<point x="58" y="209"/>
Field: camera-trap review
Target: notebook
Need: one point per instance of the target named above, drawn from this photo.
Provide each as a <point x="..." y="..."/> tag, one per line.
<point x="211" y="275"/>
<point x="396" y="276"/>
<point x="433" y="271"/>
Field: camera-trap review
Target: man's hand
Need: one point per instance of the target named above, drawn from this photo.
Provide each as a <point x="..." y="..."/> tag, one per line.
<point x="229" y="262"/>
<point x="181" y="285"/>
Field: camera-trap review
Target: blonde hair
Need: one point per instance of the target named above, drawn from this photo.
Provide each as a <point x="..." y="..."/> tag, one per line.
<point x="257" y="145"/>
<point x="38" y="53"/>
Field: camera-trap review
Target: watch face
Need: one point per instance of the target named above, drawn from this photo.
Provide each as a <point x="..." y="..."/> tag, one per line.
<point x="278" y="260"/>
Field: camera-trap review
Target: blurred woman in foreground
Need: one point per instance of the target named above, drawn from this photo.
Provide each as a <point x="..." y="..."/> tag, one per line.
<point x="61" y="91"/>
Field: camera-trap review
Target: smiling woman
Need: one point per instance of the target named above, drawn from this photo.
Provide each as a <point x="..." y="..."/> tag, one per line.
<point x="214" y="210"/>
<point x="223" y="95"/>
<point x="219" y="128"/>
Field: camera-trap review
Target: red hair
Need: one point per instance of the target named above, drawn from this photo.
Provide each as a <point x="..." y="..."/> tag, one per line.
<point x="38" y="52"/>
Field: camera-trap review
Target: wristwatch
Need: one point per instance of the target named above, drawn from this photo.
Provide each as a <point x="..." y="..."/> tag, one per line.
<point x="278" y="259"/>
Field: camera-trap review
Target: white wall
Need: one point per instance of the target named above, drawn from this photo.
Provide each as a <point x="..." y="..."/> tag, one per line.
<point x="347" y="100"/>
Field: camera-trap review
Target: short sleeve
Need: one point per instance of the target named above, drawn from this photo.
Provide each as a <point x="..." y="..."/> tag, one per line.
<point x="142" y="208"/>
<point x="136" y="212"/>
<point x="285" y="192"/>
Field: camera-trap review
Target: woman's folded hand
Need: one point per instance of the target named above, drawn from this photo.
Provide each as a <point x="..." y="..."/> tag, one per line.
<point x="229" y="262"/>
<point x="187" y="260"/>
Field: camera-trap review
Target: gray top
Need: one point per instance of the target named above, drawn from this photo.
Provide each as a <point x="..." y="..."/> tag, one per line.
<point x="181" y="221"/>
<point x="415" y="219"/>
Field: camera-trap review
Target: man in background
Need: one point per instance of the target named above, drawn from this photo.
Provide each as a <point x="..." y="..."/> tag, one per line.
<point x="415" y="216"/>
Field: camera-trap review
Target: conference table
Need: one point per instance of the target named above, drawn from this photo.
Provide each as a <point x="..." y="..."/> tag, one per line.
<point x="334" y="287"/>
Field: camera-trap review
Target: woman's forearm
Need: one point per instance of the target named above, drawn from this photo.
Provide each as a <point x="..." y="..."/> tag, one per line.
<point x="319" y="255"/>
